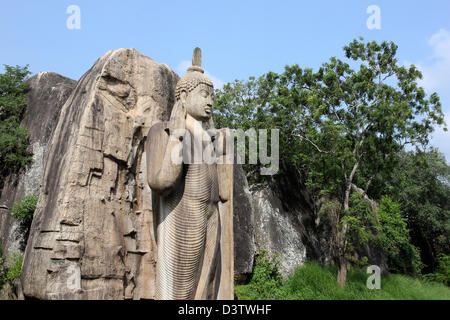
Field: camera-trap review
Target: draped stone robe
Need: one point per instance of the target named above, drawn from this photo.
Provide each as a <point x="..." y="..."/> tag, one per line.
<point x="191" y="249"/>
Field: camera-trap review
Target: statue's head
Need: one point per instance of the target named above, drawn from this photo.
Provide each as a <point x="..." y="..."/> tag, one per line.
<point x="196" y="90"/>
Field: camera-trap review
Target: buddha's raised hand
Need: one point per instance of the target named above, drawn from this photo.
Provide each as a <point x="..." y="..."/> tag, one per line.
<point x="177" y="122"/>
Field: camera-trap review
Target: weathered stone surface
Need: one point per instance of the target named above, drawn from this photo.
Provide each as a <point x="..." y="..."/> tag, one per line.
<point x="93" y="216"/>
<point x="244" y="225"/>
<point x="279" y="218"/>
<point x="277" y="231"/>
<point x="47" y="94"/>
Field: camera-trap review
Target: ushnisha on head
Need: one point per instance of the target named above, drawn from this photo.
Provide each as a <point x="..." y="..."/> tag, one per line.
<point x="195" y="90"/>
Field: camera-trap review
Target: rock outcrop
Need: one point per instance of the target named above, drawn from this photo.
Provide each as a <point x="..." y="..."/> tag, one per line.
<point x="278" y="231"/>
<point x="244" y="226"/>
<point x="278" y="217"/>
<point x="47" y="93"/>
<point x="91" y="235"/>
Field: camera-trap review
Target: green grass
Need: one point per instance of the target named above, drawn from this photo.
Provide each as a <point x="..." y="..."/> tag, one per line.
<point x="312" y="282"/>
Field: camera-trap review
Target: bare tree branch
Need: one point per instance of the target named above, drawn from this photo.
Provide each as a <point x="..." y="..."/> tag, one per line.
<point x="373" y="204"/>
<point x="313" y="144"/>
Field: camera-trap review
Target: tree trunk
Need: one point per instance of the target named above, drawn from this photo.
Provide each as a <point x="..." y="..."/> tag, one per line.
<point x="349" y="185"/>
<point x="342" y="272"/>
<point x="347" y="198"/>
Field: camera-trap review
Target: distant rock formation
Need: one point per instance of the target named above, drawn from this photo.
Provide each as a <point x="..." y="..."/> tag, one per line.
<point x="48" y="92"/>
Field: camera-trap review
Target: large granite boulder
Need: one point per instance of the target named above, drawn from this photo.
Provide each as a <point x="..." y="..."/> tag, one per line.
<point x="278" y="217"/>
<point x="91" y="235"/>
<point x="47" y="93"/>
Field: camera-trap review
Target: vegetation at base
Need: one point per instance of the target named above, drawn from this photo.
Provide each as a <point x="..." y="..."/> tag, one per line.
<point x="23" y="211"/>
<point x="442" y="273"/>
<point x="14" y="144"/>
<point x="266" y="280"/>
<point x="10" y="267"/>
<point x="313" y="282"/>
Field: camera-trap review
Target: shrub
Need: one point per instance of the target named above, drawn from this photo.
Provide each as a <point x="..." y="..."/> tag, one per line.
<point x="266" y="281"/>
<point x="10" y="269"/>
<point x="403" y="257"/>
<point x="442" y="273"/>
<point x="23" y="210"/>
<point x="15" y="269"/>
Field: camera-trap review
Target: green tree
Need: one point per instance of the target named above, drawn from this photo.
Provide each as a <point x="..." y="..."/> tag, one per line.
<point x="394" y="237"/>
<point x="421" y="183"/>
<point x="442" y="273"/>
<point x="14" y="145"/>
<point x="342" y="126"/>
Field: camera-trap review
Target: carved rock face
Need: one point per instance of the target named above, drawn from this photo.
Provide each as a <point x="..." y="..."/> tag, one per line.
<point x="199" y="102"/>
<point x="91" y="236"/>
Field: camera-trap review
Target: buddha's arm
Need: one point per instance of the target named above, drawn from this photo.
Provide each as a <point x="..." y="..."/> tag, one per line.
<point x="225" y="179"/>
<point x="224" y="143"/>
<point x="163" y="170"/>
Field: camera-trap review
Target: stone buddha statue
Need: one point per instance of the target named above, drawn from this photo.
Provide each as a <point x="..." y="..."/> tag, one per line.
<point x="192" y="195"/>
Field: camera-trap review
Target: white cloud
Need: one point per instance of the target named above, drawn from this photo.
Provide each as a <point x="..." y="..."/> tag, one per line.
<point x="183" y="65"/>
<point x="436" y="78"/>
<point x="436" y="69"/>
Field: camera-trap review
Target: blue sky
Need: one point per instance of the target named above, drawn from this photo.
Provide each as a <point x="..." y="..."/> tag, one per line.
<point x="238" y="38"/>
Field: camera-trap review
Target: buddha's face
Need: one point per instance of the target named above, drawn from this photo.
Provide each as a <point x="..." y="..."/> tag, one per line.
<point x="199" y="102"/>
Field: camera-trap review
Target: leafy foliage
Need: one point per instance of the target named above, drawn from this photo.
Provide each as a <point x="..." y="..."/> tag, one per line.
<point x="421" y="183"/>
<point x="266" y="280"/>
<point x="361" y="224"/>
<point x="15" y="270"/>
<point x="403" y="257"/>
<point x="12" y="92"/>
<point x="342" y="126"/>
<point x="10" y="268"/>
<point x="23" y="210"/>
<point x="442" y="273"/>
<point x="313" y="282"/>
<point x="14" y="146"/>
